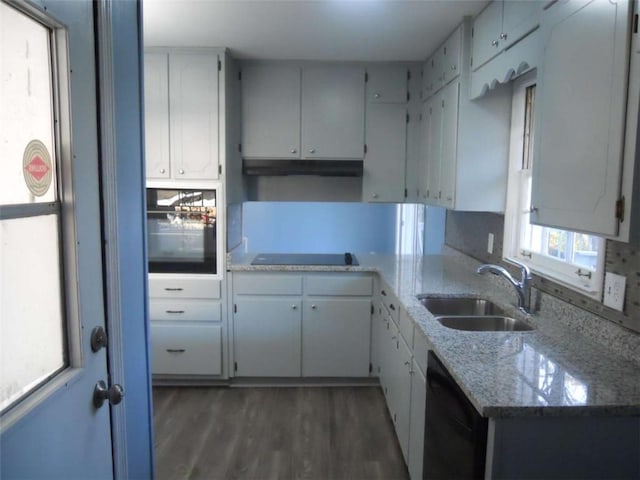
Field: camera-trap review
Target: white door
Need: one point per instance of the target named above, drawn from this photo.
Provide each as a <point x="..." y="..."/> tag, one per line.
<point x="51" y="295"/>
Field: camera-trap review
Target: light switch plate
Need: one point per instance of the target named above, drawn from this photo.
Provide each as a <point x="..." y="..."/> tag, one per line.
<point x="614" y="287"/>
<point x="490" y="243"/>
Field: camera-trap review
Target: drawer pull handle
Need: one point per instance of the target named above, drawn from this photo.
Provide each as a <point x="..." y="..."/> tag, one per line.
<point x="391" y="306"/>
<point x="175" y="312"/>
<point x="170" y="289"/>
<point x="176" y="350"/>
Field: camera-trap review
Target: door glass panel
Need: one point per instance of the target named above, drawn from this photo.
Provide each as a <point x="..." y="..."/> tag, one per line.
<point x="26" y="110"/>
<point x="33" y="342"/>
<point x="32" y="345"/>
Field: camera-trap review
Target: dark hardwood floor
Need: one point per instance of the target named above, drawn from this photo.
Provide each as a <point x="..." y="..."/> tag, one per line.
<point x="275" y="433"/>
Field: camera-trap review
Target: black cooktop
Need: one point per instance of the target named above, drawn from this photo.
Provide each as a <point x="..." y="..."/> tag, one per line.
<point x="305" y="259"/>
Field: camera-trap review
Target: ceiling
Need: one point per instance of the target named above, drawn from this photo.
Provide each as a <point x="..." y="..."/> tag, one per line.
<point x="340" y="30"/>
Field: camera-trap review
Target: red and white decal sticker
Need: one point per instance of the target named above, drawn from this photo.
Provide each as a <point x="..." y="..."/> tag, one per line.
<point x="36" y="167"/>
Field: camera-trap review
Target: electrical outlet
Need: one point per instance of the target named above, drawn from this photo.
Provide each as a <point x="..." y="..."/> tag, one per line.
<point x="490" y="243"/>
<point x="614" y="286"/>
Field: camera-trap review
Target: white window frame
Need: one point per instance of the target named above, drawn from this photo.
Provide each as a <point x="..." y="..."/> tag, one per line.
<point x="564" y="273"/>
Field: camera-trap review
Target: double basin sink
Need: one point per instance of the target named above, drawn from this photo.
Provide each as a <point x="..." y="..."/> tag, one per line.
<point x="471" y="314"/>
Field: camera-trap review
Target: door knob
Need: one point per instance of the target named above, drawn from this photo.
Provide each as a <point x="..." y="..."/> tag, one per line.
<point x="114" y="394"/>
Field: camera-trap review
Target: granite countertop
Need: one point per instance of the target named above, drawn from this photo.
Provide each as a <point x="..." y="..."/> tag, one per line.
<point x="552" y="370"/>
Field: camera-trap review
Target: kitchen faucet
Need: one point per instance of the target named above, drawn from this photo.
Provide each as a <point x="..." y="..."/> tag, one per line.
<point x="523" y="287"/>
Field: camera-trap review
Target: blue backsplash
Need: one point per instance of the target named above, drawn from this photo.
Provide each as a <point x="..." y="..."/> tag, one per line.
<point x="306" y="227"/>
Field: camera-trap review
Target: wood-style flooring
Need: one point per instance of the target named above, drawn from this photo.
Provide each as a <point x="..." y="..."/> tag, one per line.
<point x="275" y="433"/>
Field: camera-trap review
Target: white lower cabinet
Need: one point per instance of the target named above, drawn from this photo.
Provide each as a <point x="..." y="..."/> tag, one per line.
<point x="335" y="337"/>
<point x="416" y="422"/>
<point x="400" y="388"/>
<point x="188" y="326"/>
<point x="291" y="325"/>
<point x="186" y="349"/>
<point x="267" y="337"/>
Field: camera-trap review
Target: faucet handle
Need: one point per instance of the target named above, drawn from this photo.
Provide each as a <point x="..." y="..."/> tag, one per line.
<point x="525" y="271"/>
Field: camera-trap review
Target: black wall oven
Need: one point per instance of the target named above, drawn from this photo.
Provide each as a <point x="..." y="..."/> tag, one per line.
<point x="181" y="230"/>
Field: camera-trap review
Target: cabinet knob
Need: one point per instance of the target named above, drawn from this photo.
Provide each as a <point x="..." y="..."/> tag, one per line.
<point x="374" y="195"/>
<point x="294" y="307"/>
<point x="162" y="170"/>
<point x="313" y="307"/>
<point x="494" y="43"/>
<point x="293" y="150"/>
<point x="312" y="150"/>
<point x="503" y="36"/>
<point x="181" y="172"/>
<point x="453" y="66"/>
<point x="376" y="95"/>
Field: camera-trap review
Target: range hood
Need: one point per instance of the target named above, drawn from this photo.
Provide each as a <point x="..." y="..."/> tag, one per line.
<point x="325" y="168"/>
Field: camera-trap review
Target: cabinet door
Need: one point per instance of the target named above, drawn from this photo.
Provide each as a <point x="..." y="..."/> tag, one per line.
<point x="270" y="111"/>
<point x="437" y="66"/>
<point x="156" y="115"/>
<point x="427" y="79"/>
<point x="335" y="337"/>
<point x="387" y="84"/>
<point x="486" y="34"/>
<point x="416" y="423"/>
<point x="385" y="161"/>
<point x="582" y="84"/>
<point x="452" y="56"/>
<point x="449" y="144"/>
<point x="181" y="349"/>
<point x="333" y="112"/>
<point x="193" y="84"/>
<point x="434" y="148"/>
<point x="518" y="19"/>
<point x="267" y="337"/>
<point x="400" y="396"/>
<point x="386" y="344"/>
<point x="423" y="166"/>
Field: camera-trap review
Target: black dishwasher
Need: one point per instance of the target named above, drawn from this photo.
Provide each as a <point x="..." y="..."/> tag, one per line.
<point x="455" y="438"/>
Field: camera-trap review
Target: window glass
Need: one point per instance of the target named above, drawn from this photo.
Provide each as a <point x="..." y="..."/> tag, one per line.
<point x="572" y="258"/>
<point x="31" y="322"/>
<point x="26" y="110"/>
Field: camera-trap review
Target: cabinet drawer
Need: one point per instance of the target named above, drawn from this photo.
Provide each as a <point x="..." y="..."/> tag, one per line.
<point x="266" y="284"/>
<point x="179" y="349"/>
<point x="420" y="349"/>
<point x="184" y="287"/>
<point x="338" y="285"/>
<point x="196" y="310"/>
<point x="405" y="325"/>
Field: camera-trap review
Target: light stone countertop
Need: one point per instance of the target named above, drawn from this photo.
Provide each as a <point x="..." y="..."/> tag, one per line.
<point x="553" y="370"/>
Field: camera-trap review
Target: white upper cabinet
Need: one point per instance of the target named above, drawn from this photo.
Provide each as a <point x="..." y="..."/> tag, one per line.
<point x="333" y="112"/>
<point x="443" y="65"/>
<point x="387" y="84"/>
<point x="385" y="162"/>
<point x="465" y="143"/>
<point x="271" y="111"/>
<point x="193" y="107"/>
<point x="500" y="25"/>
<point x="156" y="108"/>
<point x="292" y="111"/>
<point x="580" y="115"/>
<point x="486" y="34"/>
<point x="181" y="116"/>
<point x="386" y="134"/>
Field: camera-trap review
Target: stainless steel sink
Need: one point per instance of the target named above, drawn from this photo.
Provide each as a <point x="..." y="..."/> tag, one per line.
<point x="492" y="323"/>
<point x="457" y="306"/>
